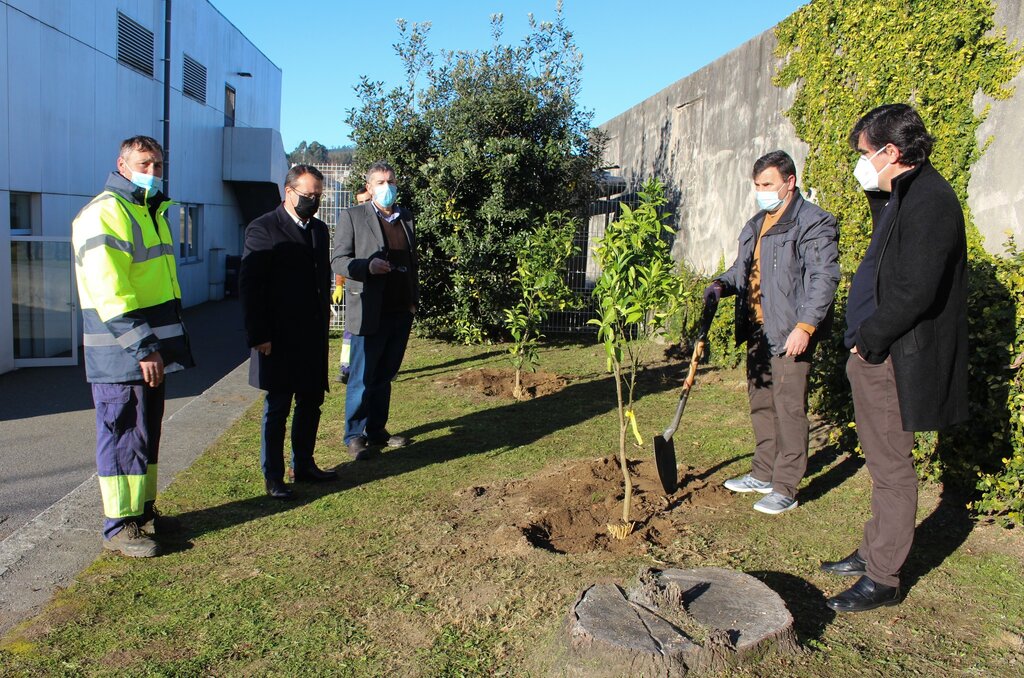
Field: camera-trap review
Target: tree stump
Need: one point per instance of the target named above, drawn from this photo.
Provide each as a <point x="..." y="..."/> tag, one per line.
<point x="673" y="621"/>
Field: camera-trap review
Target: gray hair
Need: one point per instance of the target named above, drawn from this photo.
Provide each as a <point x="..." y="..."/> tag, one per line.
<point x="379" y="166"/>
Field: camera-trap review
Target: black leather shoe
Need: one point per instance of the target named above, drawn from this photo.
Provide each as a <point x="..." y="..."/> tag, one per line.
<point x="276" y="489"/>
<point x="388" y="440"/>
<point x="312" y="474"/>
<point x="850" y="566"/>
<point x="358" y="448"/>
<point x="866" y="594"/>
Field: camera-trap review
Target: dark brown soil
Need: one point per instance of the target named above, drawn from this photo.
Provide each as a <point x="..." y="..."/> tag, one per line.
<point x="498" y="383"/>
<point x="568" y="509"/>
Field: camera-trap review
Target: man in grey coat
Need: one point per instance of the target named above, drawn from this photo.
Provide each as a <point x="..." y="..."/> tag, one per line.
<point x="375" y="249"/>
<point x="784" y="278"/>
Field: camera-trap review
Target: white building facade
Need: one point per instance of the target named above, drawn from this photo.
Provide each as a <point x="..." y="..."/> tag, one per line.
<point x="79" y="76"/>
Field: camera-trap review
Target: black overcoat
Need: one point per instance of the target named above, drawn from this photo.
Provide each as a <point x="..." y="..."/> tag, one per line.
<point x="285" y="288"/>
<point x="921" y="293"/>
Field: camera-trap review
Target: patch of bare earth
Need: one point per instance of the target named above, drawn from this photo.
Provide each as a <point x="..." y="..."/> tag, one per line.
<point x="498" y="383"/>
<point x="567" y="509"/>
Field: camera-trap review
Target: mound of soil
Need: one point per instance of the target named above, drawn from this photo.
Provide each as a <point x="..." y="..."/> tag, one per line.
<point x="499" y="383"/>
<point x="568" y="509"/>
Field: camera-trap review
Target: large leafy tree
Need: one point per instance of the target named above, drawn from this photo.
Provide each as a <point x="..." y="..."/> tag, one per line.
<point x="490" y="142"/>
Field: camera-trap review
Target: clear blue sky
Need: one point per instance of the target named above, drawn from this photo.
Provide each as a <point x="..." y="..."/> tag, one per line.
<point x="631" y="50"/>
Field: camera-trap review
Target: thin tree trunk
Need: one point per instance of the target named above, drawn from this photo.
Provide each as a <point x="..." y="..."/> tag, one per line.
<point x="627" y="500"/>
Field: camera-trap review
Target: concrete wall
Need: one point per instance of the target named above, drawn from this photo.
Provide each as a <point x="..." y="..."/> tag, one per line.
<point x="68" y="103"/>
<point x="702" y="134"/>
<point x="996" y="191"/>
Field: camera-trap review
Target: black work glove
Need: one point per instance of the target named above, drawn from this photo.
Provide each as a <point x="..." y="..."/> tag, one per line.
<point x="713" y="294"/>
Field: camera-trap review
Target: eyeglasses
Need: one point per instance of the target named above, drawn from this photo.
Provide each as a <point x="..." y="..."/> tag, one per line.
<point x="314" y="196"/>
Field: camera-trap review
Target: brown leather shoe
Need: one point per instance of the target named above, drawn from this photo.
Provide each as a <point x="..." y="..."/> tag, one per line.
<point x="157" y="523"/>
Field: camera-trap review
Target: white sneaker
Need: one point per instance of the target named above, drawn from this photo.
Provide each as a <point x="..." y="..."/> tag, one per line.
<point x="748" y="483"/>
<point x="776" y="503"/>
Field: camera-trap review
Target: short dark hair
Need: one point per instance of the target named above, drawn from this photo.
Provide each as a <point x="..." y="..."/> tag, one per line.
<point x="292" y="178"/>
<point x="896" y="124"/>
<point x="379" y="166"/>
<point x="780" y="160"/>
<point x="140" y="143"/>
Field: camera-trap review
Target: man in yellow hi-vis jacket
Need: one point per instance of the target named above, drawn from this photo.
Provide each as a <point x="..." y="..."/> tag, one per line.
<point x="133" y="335"/>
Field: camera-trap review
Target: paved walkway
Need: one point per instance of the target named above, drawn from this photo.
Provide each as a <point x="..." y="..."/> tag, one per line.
<point x="50" y="509"/>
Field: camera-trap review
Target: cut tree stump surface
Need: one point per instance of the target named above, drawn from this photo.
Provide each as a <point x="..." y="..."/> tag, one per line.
<point x="673" y="621"/>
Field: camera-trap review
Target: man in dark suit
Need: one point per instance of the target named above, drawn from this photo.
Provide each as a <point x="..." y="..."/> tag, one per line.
<point x="375" y="249"/>
<point x="285" y="288"/>
<point x="906" y="320"/>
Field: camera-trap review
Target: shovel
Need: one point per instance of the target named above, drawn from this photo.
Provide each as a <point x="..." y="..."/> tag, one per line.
<point x="664" y="448"/>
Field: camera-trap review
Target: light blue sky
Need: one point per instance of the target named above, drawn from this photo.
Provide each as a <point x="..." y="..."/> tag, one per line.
<point x="630" y="49"/>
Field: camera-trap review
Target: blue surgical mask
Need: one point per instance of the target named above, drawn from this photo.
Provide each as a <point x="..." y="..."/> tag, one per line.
<point x="385" y="195"/>
<point x="769" y="201"/>
<point x="150" y="182"/>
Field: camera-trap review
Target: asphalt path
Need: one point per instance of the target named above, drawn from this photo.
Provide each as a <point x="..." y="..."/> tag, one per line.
<point x="47" y="422"/>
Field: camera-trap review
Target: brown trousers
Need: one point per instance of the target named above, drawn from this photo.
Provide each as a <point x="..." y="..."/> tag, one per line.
<point x="888" y="453"/>
<point x="777" y="388"/>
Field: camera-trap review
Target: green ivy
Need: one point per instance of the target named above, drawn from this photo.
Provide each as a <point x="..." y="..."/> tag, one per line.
<point x="846" y="58"/>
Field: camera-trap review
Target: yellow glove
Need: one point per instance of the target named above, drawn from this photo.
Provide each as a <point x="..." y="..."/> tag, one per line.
<point x="337" y="294"/>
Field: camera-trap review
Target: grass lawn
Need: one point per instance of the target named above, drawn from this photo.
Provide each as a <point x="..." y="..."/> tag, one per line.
<point x="406" y="568"/>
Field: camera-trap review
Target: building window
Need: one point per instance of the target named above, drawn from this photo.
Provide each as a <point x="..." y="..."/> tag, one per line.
<point x="134" y="45"/>
<point x="190" y="233"/>
<point x="193" y="79"/>
<point x="24" y="213"/>
<point x="229" y="106"/>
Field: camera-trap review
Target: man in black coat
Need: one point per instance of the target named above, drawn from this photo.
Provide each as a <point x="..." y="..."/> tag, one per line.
<point x="285" y="288"/>
<point x="907" y="334"/>
<point x="375" y="249"/>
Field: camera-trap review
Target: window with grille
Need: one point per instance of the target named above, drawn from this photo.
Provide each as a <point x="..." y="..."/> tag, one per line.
<point x="193" y="78"/>
<point x="134" y="45"/>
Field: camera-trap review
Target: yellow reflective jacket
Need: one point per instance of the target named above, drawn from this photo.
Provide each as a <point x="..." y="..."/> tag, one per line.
<point x="127" y="284"/>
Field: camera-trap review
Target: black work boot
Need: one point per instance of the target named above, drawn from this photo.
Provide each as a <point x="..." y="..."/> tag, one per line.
<point x="131" y="542"/>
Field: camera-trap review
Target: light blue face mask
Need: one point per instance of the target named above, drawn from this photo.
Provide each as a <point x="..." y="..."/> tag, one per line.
<point x="385" y="195"/>
<point x="769" y="201"/>
<point x="150" y="182"/>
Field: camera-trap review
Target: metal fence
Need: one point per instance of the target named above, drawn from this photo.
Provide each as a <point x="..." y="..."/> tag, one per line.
<point x="336" y="198"/>
<point x="583" y="270"/>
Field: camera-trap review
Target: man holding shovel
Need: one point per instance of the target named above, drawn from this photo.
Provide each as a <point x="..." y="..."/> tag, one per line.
<point x="784" y="278"/>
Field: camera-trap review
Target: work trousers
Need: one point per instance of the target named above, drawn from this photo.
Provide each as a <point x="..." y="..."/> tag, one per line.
<point x="346" y="353"/>
<point x="888" y="452"/>
<point x="375" y="361"/>
<point x="305" y="423"/>
<point x="777" y="389"/>
<point x="128" y="420"/>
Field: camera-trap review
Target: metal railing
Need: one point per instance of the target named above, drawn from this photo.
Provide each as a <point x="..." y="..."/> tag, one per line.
<point x="583" y="270"/>
<point x="336" y="198"/>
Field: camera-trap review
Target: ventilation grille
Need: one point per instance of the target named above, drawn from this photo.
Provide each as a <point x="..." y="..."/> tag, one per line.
<point x="134" y="45"/>
<point x="193" y="77"/>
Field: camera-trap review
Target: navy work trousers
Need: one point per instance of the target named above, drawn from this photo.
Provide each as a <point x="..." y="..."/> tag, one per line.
<point x="128" y="420"/>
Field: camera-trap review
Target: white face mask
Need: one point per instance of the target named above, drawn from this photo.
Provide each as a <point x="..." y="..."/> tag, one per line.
<point x="866" y="173"/>
<point x="769" y="201"/>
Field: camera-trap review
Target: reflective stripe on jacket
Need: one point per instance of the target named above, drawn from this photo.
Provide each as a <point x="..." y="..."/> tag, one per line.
<point x="127" y="284"/>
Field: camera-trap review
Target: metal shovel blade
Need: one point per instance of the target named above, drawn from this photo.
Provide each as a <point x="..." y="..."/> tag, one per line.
<point x="665" y="458"/>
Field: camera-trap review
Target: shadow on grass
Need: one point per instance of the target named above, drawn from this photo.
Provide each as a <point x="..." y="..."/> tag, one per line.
<point x="491" y="431"/>
<point x="444" y="367"/>
<point x="804" y="600"/>
<point x="937" y="537"/>
<point x="835" y="476"/>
